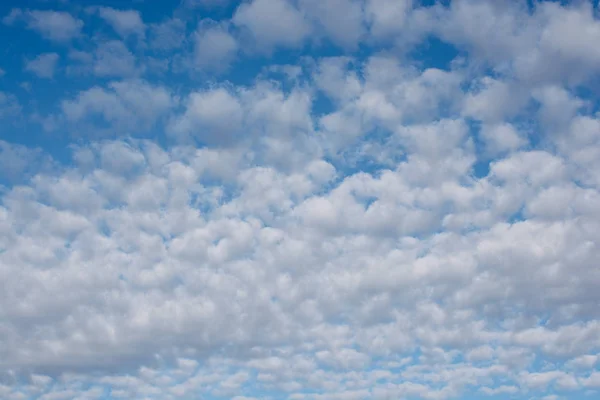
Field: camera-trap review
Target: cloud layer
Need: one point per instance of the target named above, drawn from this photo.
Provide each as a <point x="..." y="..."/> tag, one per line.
<point x="284" y="200"/>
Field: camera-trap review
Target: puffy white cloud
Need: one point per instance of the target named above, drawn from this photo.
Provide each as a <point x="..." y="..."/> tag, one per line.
<point x="273" y="125"/>
<point x="341" y="21"/>
<point x="273" y="23"/>
<point x="214" y="116"/>
<point x="387" y="96"/>
<point x="54" y="25"/>
<point x="552" y="44"/>
<point x="386" y="17"/>
<point x="109" y="59"/>
<point x="502" y="137"/>
<point x="113" y="58"/>
<point x="568" y="38"/>
<point x="586" y="361"/>
<point x="18" y="162"/>
<point x="337" y="80"/>
<point x="124" y="22"/>
<point x="215" y="48"/>
<point x="132" y="106"/>
<point x="43" y="65"/>
<point x="494" y="101"/>
<point x="168" y="35"/>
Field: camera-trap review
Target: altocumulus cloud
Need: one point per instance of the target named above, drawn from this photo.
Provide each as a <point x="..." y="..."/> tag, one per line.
<point x="302" y="200"/>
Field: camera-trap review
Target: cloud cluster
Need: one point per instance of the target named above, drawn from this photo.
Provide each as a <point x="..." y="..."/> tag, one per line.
<point x="362" y="222"/>
<point x="56" y="26"/>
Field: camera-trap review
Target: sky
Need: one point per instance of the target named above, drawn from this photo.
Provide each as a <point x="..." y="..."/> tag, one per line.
<point x="299" y="200"/>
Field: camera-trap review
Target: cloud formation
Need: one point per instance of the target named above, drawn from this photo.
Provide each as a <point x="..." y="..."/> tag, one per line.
<point x="43" y="65"/>
<point x="56" y="26"/>
<point x="124" y="22"/>
<point x="302" y="200"/>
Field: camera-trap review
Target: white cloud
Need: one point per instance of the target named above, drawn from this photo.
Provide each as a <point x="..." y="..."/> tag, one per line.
<point x="585" y="361"/>
<point x="18" y="162"/>
<point x="273" y="23"/>
<point x="214" y="116"/>
<point x="132" y="106"/>
<point x="500" y="138"/>
<point x="108" y="59"/>
<point x="494" y="101"/>
<point x="168" y="35"/>
<point x="593" y="381"/>
<point x="215" y="48"/>
<point x="386" y="97"/>
<point x="341" y="21"/>
<point x="569" y="36"/>
<point x="43" y="65"/>
<point x="557" y="107"/>
<point x="273" y="125"/>
<point x="337" y="79"/>
<point x="124" y="22"/>
<point x="552" y="44"/>
<point x="54" y="25"/>
<point x="113" y="58"/>
<point x="387" y="17"/>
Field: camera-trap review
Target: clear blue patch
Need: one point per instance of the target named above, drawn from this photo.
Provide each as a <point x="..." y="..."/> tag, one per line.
<point x="435" y="53"/>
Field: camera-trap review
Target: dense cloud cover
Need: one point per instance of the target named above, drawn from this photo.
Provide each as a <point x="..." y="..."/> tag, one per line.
<point x="300" y="199"/>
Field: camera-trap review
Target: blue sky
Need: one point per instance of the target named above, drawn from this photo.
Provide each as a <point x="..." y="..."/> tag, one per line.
<point x="299" y="200"/>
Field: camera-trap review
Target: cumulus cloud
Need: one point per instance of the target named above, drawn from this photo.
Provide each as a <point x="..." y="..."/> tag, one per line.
<point x="528" y="44"/>
<point x="274" y="125"/>
<point x="168" y="35"/>
<point x="57" y="26"/>
<point x="273" y="23"/>
<point x="215" y="115"/>
<point x="215" y="48"/>
<point x="124" y="22"/>
<point x="386" y="17"/>
<point x="336" y="216"/>
<point x="113" y="58"/>
<point x="344" y="28"/>
<point x="129" y="106"/>
<point x="43" y="65"/>
<point x="18" y="162"/>
<point x="109" y="59"/>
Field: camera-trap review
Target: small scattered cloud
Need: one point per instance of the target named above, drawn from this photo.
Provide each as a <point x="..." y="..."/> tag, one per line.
<point x="57" y="26"/>
<point x="215" y="48"/>
<point x="124" y="22"/>
<point x="113" y="58"/>
<point x="44" y="65"/>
